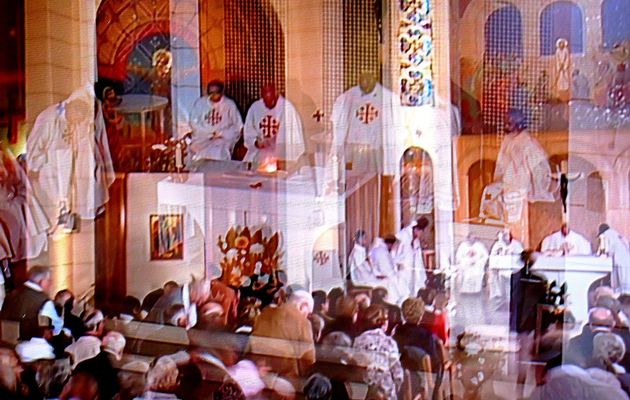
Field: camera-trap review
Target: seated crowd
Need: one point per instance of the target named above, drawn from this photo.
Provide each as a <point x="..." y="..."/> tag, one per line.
<point x="206" y="340"/>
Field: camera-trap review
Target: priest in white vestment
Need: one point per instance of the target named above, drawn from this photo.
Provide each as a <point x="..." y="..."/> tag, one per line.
<point x="505" y="245"/>
<point x="361" y="271"/>
<point x="273" y="131"/>
<point x="385" y="269"/>
<point x="471" y="259"/>
<point x="565" y="242"/>
<point x="614" y="245"/>
<point x="367" y="127"/>
<point x="68" y="157"/>
<point x="408" y="255"/>
<point x="216" y="125"/>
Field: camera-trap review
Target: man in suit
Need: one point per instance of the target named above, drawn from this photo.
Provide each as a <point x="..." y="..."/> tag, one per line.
<point x="580" y="349"/>
<point x="30" y="302"/>
<point x="283" y="338"/>
<point x="191" y="296"/>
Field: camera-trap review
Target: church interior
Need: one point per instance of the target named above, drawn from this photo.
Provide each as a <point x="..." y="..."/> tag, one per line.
<point x="470" y="155"/>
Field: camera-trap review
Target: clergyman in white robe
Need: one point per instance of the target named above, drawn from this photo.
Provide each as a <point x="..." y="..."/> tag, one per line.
<point x="568" y="243"/>
<point x="69" y="160"/>
<point x="280" y="125"/>
<point x="386" y="272"/>
<point x="360" y="268"/>
<point x="215" y="128"/>
<point x="408" y="256"/>
<point x="505" y="245"/>
<point x="471" y="258"/>
<point x="616" y="246"/>
<point x="368" y="130"/>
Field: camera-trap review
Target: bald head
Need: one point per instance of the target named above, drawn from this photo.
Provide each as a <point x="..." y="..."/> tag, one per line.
<point x="599" y="317"/>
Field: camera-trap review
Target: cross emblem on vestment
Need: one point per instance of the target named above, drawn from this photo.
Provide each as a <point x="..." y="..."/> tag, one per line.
<point x="213" y="117"/>
<point x="318" y="115"/>
<point x="367" y="113"/>
<point x="269" y="126"/>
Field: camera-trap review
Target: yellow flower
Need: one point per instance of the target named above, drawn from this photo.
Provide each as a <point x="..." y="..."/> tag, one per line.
<point x="241" y="242"/>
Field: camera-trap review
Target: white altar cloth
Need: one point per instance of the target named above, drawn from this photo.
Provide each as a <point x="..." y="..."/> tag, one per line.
<point x="577" y="271"/>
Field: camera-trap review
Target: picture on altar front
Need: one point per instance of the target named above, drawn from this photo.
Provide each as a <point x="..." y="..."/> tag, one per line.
<point x="167" y="237"/>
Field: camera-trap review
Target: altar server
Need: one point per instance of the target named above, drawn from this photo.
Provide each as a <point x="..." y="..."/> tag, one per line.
<point x="614" y="245"/>
<point x="216" y="124"/>
<point x="408" y="254"/>
<point x="361" y="270"/>
<point x="386" y="270"/>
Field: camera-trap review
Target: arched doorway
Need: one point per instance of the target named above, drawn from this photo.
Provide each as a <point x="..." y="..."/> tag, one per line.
<point x="480" y="175"/>
<point x="417" y="196"/>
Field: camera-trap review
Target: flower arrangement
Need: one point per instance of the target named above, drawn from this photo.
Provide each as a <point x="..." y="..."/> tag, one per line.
<point x="246" y="253"/>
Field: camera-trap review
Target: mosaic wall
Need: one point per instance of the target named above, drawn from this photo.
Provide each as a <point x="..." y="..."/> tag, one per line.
<point x="361" y="39"/>
<point x="416" y="53"/>
<point x="254" y="48"/>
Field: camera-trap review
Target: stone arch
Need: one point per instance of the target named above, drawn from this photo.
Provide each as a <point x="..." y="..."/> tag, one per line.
<point x="561" y="20"/>
<point x="480" y="174"/>
<point x="417" y="189"/>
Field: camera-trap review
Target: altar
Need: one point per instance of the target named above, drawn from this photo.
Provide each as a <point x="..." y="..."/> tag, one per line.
<point x="211" y="203"/>
<point x="578" y="272"/>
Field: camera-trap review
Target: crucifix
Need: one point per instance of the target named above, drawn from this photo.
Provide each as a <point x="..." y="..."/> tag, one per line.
<point x="318" y="115"/>
<point x="564" y="177"/>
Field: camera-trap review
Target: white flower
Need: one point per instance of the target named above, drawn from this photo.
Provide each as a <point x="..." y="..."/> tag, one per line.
<point x="257" y="248"/>
<point x="231" y="254"/>
<point x="257" y="267"/>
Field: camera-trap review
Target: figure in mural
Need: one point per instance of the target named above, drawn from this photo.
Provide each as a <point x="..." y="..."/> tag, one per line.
<point x="272" y="131"/>
<point x="580" y="86"/>
<point x="216" y="124"/>
<point x="366" y="126"/>
<point x="522" y="167"/>
<point x="68" y="157"/>
<point x="601" y="87"/>
<point x="562" y="68"/>
<point x="159" y="79"/>
<point x="159" y="75"/>
<point x="617" y="95"/>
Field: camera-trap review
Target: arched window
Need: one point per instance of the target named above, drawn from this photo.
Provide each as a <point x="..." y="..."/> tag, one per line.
<point x="417" y="191"/>
<point x="595" y="197"/>
<point x="480" y="175"/>
<point x="615" y="26"/>
<point x="504" y="32"/>
<point x="561" y="20"/>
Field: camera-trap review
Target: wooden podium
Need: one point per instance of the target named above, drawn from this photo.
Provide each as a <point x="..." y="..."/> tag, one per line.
<point x="577" y="271"/>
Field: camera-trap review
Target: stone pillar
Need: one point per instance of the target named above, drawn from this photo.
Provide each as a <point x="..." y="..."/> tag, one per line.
<point x="60" y="56"/>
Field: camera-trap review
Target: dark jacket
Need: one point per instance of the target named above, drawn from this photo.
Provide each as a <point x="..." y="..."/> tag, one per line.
<point x="103" y="371"/>
<point x="418" y="336"/>
<point x="23" y="305"/>
<point x="527" y="291"/>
